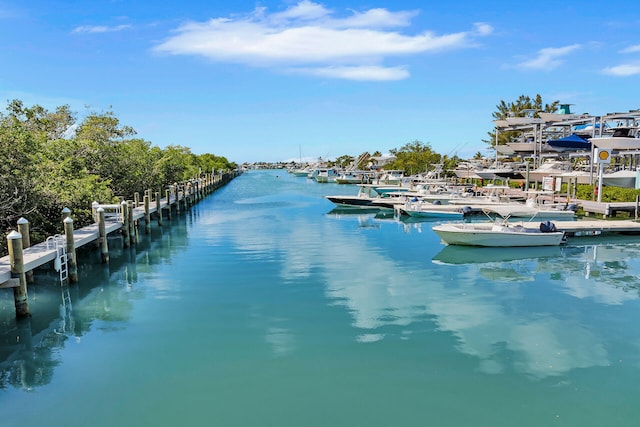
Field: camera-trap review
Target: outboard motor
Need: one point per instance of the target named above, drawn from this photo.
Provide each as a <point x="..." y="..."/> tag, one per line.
<point x="467" y="210"/>
<point x="547" y="227"/>
<point x="437" y="202"/>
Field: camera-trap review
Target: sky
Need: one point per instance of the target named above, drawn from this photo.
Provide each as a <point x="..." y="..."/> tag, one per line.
<point x="305" y="79"/>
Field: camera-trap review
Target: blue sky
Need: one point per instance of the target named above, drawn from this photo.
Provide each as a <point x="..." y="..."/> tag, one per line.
<point x="273" y="80"/>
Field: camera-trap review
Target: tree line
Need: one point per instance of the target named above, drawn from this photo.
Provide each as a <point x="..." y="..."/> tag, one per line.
<point x="52" y="160"/>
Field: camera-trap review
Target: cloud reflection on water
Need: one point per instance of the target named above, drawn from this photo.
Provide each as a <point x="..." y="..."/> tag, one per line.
<point x="380" y="291"/>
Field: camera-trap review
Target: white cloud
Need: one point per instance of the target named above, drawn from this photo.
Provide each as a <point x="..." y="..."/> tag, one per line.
<point x="623" y="70"/>
<point x="631" y="49"/>
<point x="362" y="73"/>
<point x="309" y="39"/>
<point x="100" y="28"/>
<point x="548" y="58"/>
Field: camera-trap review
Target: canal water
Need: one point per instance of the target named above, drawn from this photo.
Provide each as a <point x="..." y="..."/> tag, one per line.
<point x="264" y="306"/>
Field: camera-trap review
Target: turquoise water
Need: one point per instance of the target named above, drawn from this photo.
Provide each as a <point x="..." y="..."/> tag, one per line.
<point x="263" y="306"/>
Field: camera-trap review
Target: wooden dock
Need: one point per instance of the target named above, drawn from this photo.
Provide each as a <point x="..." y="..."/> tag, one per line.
<point x="596" y="227"/>
<point x="113" y="219"/>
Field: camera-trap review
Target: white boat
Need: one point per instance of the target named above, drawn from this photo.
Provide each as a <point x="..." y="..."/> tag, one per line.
<point x="499" y="234"/>
<point x="390" y="177"/>
<point x="466" y="170"/>
<point x="550" y="167"/>
<point x="299" y="172"/>
<point x="622" y="138"/>
<point x="532" y="209"/>
<point x="367" y="197"/>
<point x="325" y="175"/>
<point x="622" y="178"/>
<point x="354" y="177"/>
<point x="499" y="171"/>
<point x="423" y="209"/>
<point x="492" y="194"/>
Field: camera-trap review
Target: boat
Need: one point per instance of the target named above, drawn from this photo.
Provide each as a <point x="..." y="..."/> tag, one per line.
<point x="622" y="138"/>
<point x="573" y="142"/>
<point x="532" y="209"/>
<point x="466" y="170"/>
<point x="499" y="234"/>
<point x="491" y="195"/>
<point x="325" y="175"/>
<point x="550" y="168"/>
<point x="300" y="172"/>
<point x="354" y="177"/>
<point x="367" y="197"/>
<point x="499" y="171"/>
<point x="421" y="209"/>
<point x="622" y="178"/>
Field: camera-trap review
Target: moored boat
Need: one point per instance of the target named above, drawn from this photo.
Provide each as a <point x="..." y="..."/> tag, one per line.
<point x="423" y="209"/>
<point x="573" y="142"/>
<point x="367" y="197"/>
<point x="499" y="234"/>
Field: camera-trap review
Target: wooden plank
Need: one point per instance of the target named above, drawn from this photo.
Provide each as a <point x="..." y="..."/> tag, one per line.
<point x="11" y="283"/>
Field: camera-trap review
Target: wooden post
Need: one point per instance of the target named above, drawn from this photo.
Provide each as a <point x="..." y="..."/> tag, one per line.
<point x="177" y="190"/>
<point x="158" y="208"/>
<point x="20" y="297"/>
<point x="102" y="239"/>
<point x="133" y="230"/>
<point x="168" y="197"/>
<point x="124" y="219"/>
<point x="136" y="199"/>
<point x="72" y="262"/>
<point x="66" y="213"/>
<point x="147" y="215"/>
<point x="23" y="229"/>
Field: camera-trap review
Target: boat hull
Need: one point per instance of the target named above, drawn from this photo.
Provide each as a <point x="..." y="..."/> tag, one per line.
<point x="352" y="201"/>
<point x="426" y="213"/>
<point x="617" y="143"/>
<point x="624" y="179"/>
<point x="492" y="235"/>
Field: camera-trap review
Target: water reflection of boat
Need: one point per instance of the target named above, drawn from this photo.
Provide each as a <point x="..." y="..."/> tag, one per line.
<point x="467" y="255"/>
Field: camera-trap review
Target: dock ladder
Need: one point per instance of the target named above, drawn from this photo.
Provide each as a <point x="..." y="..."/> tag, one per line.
<point x="59" y="243"/>
<point x="67" y="323"/>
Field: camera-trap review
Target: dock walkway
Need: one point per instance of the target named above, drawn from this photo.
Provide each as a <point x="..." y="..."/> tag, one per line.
<point x="597" y="226"/>
<point x="42" y="253"/>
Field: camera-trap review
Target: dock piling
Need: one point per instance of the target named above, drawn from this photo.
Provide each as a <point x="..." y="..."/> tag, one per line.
<point x="72" y="261"/>
<point x="124" y="219"/>
<point x="158" y="208"/>
<point x="147" y="214"/>
<point x="16" y="260"/>
<point x="23" y="229"/>
<point x="133" y="230"/>
<point x="168" y="197"/>
<point x="102" y="239"/>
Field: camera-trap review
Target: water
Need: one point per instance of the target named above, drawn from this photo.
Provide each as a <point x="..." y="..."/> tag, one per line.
<point x="263" y="307"/>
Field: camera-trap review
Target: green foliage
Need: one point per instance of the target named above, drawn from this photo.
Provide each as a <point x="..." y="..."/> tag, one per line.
<point x="609" y="194"/>
<point x="344" y="161"/>
<point x="519" y="108"/>
<point x="414" y="157"/>
<point x="47" y="166"/>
